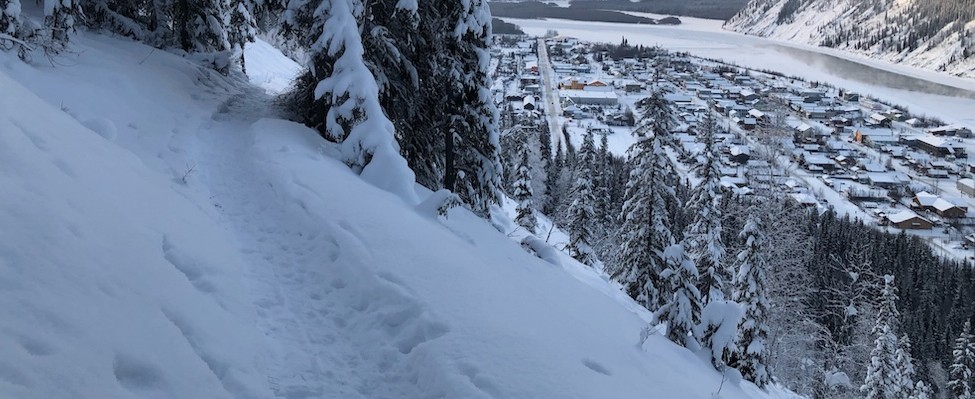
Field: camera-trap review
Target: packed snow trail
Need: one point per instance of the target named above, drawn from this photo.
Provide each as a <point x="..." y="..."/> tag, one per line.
<point x="337" y="329"/>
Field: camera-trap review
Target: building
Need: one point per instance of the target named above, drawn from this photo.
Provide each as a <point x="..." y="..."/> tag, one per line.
<point x="586" y="97"/>
<point x="951" y="131"/>
<point x="939" y="146"/>
<point x="908" y="220"/>
<point x="966" y="186"/>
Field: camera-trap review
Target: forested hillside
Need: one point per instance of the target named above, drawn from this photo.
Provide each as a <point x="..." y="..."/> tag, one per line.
<point x="937" y="35"/>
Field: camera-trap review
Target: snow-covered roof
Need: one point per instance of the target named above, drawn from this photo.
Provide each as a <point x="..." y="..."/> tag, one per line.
<point x="904" y="216"/>
<point x="883" y="178"/>
<point x="943" y="205"/>
<point x="925" y="198"/>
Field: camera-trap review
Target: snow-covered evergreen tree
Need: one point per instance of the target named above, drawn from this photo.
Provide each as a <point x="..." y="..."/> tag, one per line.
<point x="199" y="27"/>
<point x="523" y="195"/>
<point x="473" y="167"/>
<point x="658" y="116"/>
<point x="704" y="243"/>
<point x="241" y="28"/>
<point x="751" y="356"/>
<point x="905" y="366"/>
<point x="682" y="309"/>
<point x="543" y="193"/>
<point x="960" y="371"/>
<point x="883" y="380"/>
<point x="581" y="213"/>
<point x="645" y="229"/>
<point x="706" y="249"/>
<point x="601" y="182"/>
<point x="921" y="391"/>
<point x="60" y="17"/>
<point x="346" y="92"/>
<point x="9" y="20"/>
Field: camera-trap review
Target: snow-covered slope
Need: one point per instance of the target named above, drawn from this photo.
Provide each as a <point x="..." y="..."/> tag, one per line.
<point x="163" y="235"/>
<point x="932" y="34"/>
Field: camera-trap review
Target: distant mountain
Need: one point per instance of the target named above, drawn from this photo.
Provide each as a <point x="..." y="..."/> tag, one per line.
<point x="931" y="34"/>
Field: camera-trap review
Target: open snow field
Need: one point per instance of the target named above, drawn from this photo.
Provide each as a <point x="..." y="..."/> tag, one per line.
<point x="165" y="235"/>
<point x="930" y="93"/>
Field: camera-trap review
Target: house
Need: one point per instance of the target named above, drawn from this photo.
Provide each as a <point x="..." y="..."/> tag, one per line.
<point x="914" y="122"/>
<point x="948" y="209"/>
<point x="804" y="199"/>
<point x="884" y="180"/>
<point x="909" y="220"/>
<point x="878" y="119"/>
<point x="748" y="95"/>
<point x="939" y="146"/>
<point x="924" y="201"/>
<point x="874" y="136"/>
<point x="528" y="103"/>
<point x="748" y="123"/>
<point x="817" y="162"/>
<point x="758" y="115"/>
<point x="966" y="186"/>
<point x="739" y="154"/>
<point x="586" y="97"/>
<point x="951" y="131"/>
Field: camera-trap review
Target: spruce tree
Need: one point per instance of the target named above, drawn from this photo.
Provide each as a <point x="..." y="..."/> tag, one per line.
<point x="523" y="195"/>
<point x="706" y="250"/>
<point x="921" y="391"/>
<point x="645" y="228"/>
<point x="199" y="27"/>
<point x="241" y="28"/>
<point x="473" y="166"/>
<point x="704" y="243"/>
<point x="752" y="353"/>
<point x="544" y="198"/>
<point x="346" y="107"/>
<point x="683" y="307"/>
<point x="905" y="366"/>
<point x="960" y="371"/>
<point x="60" y="18"/>
<point x="883" y="380"/>
<point x="581" y="213"/>
<point x="9" y="20"/>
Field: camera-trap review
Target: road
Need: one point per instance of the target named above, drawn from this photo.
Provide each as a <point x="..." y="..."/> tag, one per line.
<point x="549" y="95"/>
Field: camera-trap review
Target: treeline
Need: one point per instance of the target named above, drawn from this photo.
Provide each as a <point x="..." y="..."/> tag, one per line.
<point x="710" y="9"/>
<point x="401" y="86"/>
<point x="535" y="9"/>
<point x="505" y="28"/>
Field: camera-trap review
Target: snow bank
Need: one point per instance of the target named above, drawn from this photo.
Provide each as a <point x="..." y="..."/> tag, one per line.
<point x="115" y="283"/>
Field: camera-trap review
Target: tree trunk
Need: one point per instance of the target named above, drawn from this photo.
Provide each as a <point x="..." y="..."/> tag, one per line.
<point x="450" y="172"/>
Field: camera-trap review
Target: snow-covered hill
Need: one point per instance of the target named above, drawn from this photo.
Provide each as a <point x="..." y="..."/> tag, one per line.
<point x="937" y="34"/>
<point x="163" y="234"/>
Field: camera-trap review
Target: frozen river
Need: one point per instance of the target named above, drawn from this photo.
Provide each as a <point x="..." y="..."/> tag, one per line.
<point x="925" y="92"/>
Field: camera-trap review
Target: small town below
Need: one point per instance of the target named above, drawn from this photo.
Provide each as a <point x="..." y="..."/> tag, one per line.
<point x="814" y="144"/>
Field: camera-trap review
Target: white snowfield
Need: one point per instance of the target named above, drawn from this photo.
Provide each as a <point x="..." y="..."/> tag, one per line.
<point x="163" y="236"/>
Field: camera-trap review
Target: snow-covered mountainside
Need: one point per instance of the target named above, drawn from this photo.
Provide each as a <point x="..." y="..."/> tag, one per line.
<point x="163" y="234"/>
<point x="937" y="35"/>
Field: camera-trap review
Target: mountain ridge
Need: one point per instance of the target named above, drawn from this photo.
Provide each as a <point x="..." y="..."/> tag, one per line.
<point x="936" y="35"/>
